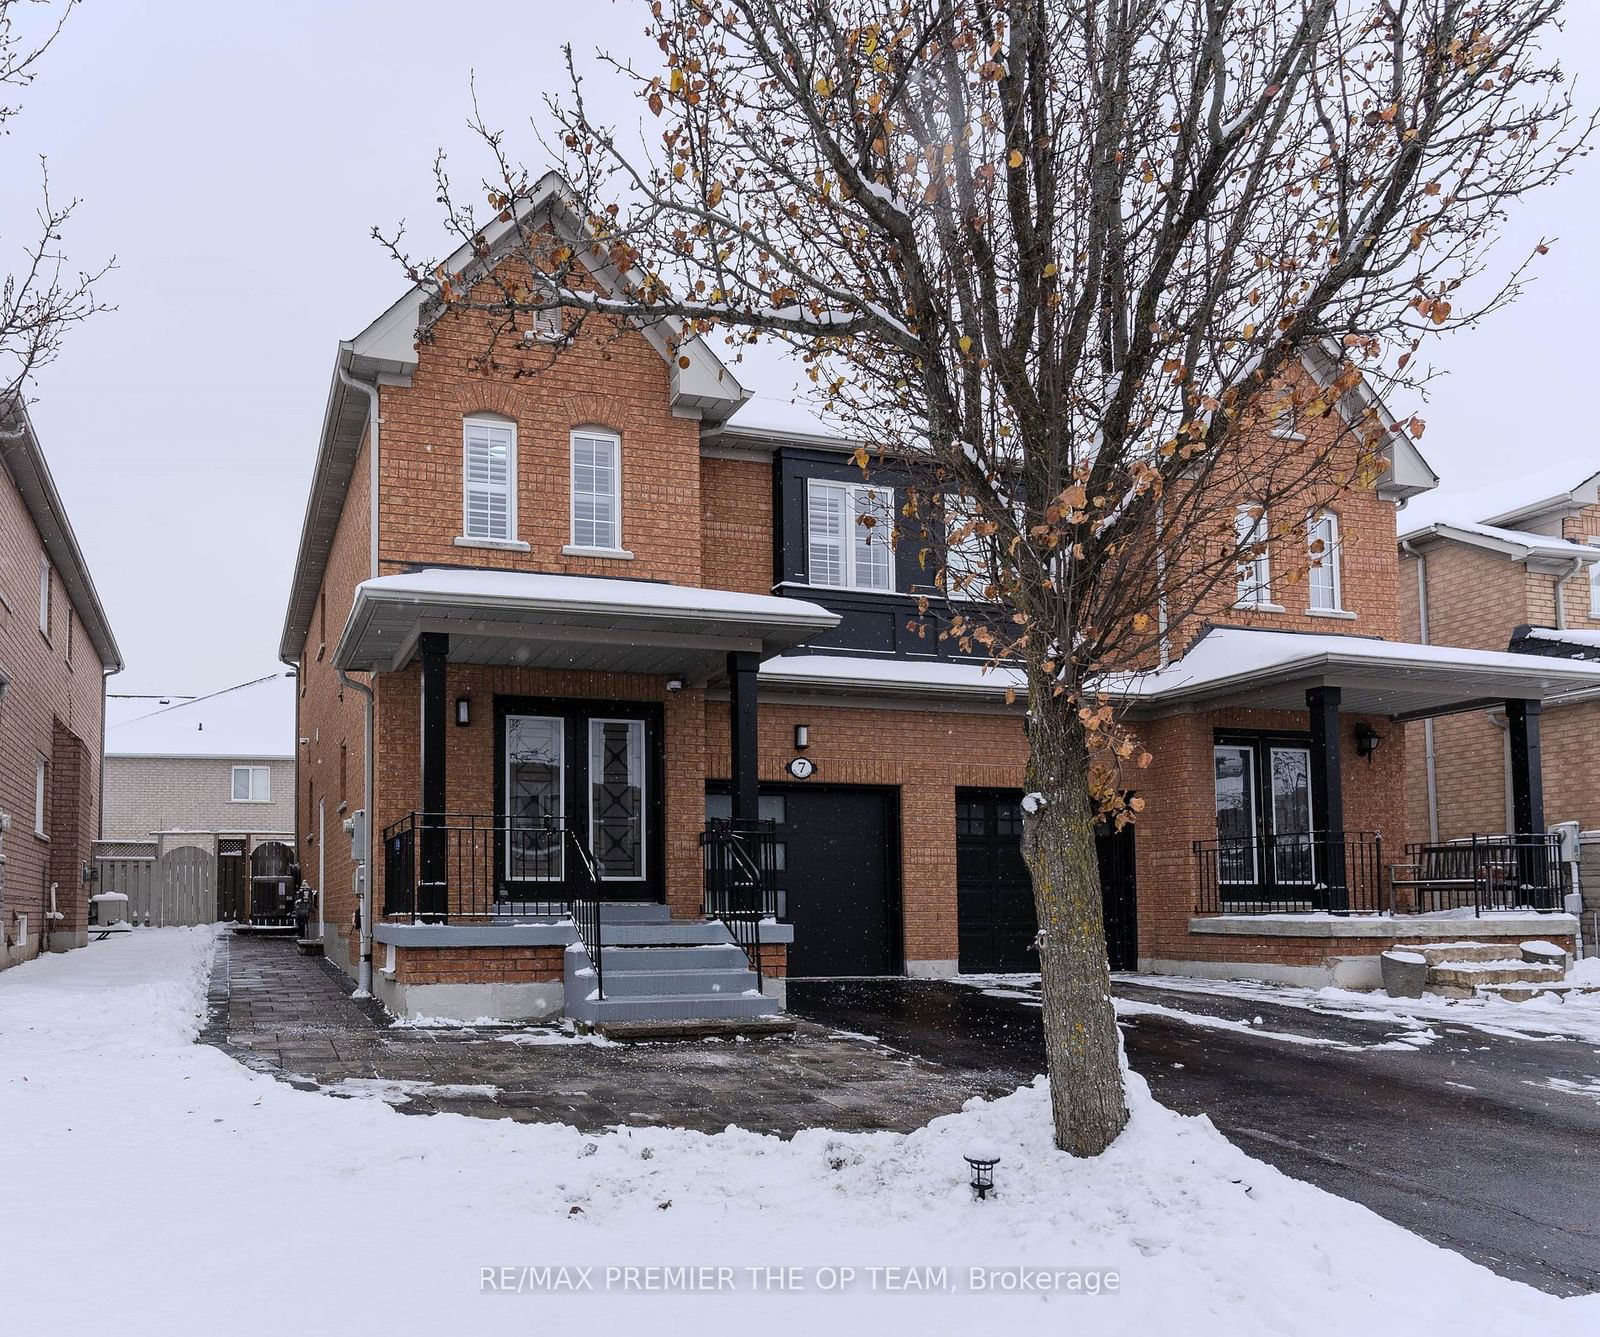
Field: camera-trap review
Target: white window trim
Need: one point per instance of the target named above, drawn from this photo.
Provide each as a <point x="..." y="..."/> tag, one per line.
<point x="1332" y="560"/>
<point x="849" y="536"/>
<point x="41" y="790"/>
<point x="250" y="784"/>
<point x="574" y="548"/>
<point x="1260" y="596"/>
<point x="44" y="597"/>
<point x="510" y="541"/>
<point x="644" y="791"/>
<point x="1594" y="579"/>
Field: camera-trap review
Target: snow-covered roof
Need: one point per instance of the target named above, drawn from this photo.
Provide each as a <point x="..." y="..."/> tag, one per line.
<point x="1514" y="500"/>
<point x="916" y="677"/>
<point x="251" y="722"/>
<point x="539" y="619"/>
<point x="1567" y="635"/>
<point x="1518" y="544"/>
<point x="1273" y="670"/>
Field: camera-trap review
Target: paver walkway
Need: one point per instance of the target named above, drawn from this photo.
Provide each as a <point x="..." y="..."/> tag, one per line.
<point x="293" y="1016"/>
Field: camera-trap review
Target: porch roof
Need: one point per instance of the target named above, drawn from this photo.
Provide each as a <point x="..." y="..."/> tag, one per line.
<point x="1236" y="666"/>
<point x="539" y="620"/>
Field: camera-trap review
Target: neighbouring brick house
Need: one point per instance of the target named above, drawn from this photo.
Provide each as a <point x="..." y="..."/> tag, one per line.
<point x="56" y="650"/>
<point x="633" y="677"/>
<point x="1515" y="566"/>
<point x="203" y="787"/>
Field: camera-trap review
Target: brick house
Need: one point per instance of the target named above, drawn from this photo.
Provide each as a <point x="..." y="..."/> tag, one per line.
<point x="206" y="781"/>
<point x="623" y="655"/>
<point x="1513" y="567"/>
<point x="56" y="651"/>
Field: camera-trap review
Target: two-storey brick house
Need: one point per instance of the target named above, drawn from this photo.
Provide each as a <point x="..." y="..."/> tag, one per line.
<point x="56" y="650"/>
<point x="619" y="642"/>
<point x="1514" y="567"/>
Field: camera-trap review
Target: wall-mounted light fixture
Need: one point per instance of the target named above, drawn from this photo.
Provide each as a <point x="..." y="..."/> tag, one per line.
<point x="802" y="736"/>
<point x="1367" y="740"/>
<point x="463" y="710"/>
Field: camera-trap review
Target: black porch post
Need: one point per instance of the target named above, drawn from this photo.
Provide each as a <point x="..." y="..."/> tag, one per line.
<point x="1527" y="767"/>
<point x="1327" y="795"/>
<point x="742" y="666"/>
<point x="433" y="893"/>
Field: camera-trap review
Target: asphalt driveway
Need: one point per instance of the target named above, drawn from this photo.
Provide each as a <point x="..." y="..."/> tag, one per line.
<point x="1448" y="1131"/>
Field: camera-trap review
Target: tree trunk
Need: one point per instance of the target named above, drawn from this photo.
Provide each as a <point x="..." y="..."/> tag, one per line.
<point x="1058" y="843"/>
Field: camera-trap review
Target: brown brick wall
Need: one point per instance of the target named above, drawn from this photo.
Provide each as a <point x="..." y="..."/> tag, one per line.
<point x="477" y="965"/>
<point x="737" y="525"/>
<point x="52" y="707"/>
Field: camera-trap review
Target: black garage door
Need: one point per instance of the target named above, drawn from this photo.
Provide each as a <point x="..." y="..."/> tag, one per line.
<point x="838" y="856"/>
<point x="994" y="896"/>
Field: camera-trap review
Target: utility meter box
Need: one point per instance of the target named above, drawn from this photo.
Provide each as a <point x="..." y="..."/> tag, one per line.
<point x="1567" y="834"/>
<point x="356" y="825"/>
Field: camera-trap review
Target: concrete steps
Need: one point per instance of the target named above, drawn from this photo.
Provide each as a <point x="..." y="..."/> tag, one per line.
<point x="661" y="970"/>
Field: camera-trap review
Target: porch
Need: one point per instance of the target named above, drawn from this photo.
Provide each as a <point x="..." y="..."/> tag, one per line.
<point x="553" y="706"/>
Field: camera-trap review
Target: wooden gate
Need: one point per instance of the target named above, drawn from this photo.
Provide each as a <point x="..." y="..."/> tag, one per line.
<point x="176" y="888"/>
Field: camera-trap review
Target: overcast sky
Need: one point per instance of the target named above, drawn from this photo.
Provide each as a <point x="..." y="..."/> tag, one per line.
<point x="235" y="157"/>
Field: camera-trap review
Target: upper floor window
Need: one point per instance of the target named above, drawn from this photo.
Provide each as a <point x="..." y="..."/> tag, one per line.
<point x="967" y="573"/>
<point x="44" y="595"/>
<point x="1594" y="579"/>
<point x="596" y="490"/>
<point x="1324" y="586"/>
<point x="490" y="468"/>
<point x="1254" y="585"/>
<point x="252" y="784"/>
<point x="41" y="790"/>
<point x="850" y="533"/>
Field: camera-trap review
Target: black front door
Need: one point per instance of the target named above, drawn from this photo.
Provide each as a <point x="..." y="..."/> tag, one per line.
<point x="576" y="779"/>
<point x="995" y="918"/>
<point x="837" y="861"/>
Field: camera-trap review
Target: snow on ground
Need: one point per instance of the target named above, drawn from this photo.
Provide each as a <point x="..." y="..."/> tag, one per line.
<point x="153" y="1185"/>
<point x="1549" y="1017"/>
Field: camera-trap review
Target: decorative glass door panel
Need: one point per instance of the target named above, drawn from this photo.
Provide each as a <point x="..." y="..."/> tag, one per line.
<point x="1236" y="814"/>
<point x="617" y="798"/>
<point x="1290" y="813"/>
<point x="534" y="786"/>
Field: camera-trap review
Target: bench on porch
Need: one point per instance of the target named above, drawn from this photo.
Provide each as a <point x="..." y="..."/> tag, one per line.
<point x="1483" y="873"/>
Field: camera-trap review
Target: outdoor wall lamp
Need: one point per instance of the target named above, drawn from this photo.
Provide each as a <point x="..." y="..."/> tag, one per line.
<point x="1367" y="740"/>
<point x="463" y="710"/>
<point x="802" y="736"/>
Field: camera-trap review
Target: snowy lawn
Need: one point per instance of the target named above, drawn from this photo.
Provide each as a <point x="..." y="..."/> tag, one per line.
<point x="153" y="1185"/>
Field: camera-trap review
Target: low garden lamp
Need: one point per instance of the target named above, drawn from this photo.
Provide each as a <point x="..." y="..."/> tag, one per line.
<point x="982" y="1157"/>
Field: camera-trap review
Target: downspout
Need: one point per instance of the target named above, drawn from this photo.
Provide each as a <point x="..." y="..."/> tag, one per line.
<point x="1163" y="644"/>
<point x="1561" y="586"/>
<point x="1428" y="757"/>
<point x="375" y="420"/>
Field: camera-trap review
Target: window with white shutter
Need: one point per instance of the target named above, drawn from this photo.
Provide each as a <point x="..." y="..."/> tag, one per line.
<point x="850" y="535"/>
<point x="596" y="491"/>
<point x="490" y="468"/>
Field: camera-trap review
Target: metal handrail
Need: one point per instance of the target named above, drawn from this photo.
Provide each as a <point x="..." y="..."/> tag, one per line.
<point x="729" y="871"/>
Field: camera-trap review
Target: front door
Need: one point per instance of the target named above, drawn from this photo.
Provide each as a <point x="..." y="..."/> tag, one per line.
<point x="578" y="786"/>
<point x="1263" y="798"/>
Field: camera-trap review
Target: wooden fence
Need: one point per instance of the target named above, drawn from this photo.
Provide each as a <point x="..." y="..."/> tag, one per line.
<point x="177" y="887"/>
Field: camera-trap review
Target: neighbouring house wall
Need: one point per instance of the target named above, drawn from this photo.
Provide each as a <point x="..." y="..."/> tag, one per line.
<point x="148" y="794"/>
<point x="52" y="708"/>
<point x="736" y="524"/>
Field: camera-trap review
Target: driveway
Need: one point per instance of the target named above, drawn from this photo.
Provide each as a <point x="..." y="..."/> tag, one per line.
<point x="1453" y="1133"/>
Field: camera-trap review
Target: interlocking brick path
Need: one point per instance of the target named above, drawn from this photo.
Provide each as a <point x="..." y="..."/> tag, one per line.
<point x="292" y="1016"/>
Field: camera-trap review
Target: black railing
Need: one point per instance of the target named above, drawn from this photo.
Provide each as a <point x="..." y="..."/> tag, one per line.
<point x="741" y="862"/>
<point x="587" y="906"/>
<point x="1336" y="871"/>
<point x="444" y="867"/>
<point x="1481" y="873"/>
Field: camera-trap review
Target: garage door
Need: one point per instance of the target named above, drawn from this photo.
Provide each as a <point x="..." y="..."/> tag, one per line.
<point x="838" y="853"/>
<point x="994" y="895"/>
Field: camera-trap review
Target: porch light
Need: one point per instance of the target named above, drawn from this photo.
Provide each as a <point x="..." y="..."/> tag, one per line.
<point x="1367" y="740"/>
<point x="982" y="1157"/>
<point x="802" y="736"/>
<point x="463" y="710"/>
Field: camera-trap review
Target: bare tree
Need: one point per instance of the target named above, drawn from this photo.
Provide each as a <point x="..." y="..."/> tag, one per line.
<point x="1073" y="260"/>
<point x="41" y="297"/>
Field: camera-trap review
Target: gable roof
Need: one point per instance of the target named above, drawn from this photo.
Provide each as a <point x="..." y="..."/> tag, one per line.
<point x="385" y="353"/>
<point x="1536" y="550"/>
<point x="253" y="721"/>
<point x="1522" y="499"/>
<point x="25" y="463"/>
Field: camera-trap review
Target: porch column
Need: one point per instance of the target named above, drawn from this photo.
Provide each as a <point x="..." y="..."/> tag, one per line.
<point x="433" y="893"/>
<point x="1527" y="767"/>
<point x="1327" y="795"/>
<point x="742" y="666"/>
